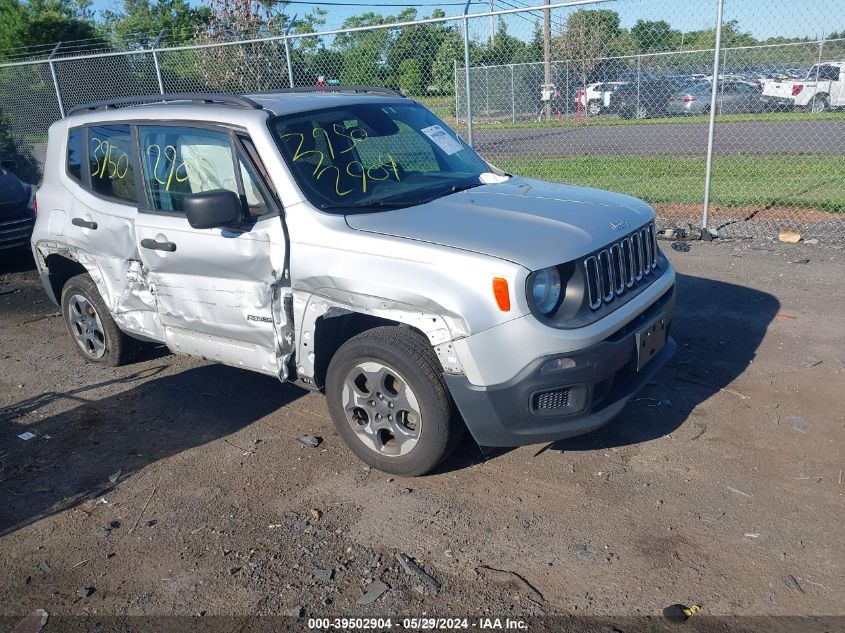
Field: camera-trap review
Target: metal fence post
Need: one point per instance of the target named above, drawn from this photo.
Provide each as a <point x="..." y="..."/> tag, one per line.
<point x="56" y="79"/>
<point x="466" y="70"/>
<point x="287" y="50"/>
<point x="711" y="128"/>
<point x="457" y="96"/>
<point x="513" y="99"/>
<point x="639" y="72"/>
<point x="155" y="61"/>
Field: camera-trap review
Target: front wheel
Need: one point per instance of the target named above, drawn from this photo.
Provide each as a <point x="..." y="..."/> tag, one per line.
<point x="594" y="108"/>
<point x="389" y="403"/>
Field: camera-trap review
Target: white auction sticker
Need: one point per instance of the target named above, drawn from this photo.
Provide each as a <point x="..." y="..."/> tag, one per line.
<point x="442" y="138"/>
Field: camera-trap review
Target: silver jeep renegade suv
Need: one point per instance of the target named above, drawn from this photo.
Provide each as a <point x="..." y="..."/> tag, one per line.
<point x="345" y="239"/>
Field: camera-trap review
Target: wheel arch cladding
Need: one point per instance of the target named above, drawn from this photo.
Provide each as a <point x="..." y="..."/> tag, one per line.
<point x="360" y="310"/>
<point x="333" y="330"/>
<point x="59" y="270"/>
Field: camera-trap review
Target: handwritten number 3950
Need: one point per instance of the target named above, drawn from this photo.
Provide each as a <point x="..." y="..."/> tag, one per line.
<point x="103" y="154"/>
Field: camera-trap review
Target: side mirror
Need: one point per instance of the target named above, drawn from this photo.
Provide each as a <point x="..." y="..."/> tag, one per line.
<point x="9" y="165"/>
<point x="213" y="209"/>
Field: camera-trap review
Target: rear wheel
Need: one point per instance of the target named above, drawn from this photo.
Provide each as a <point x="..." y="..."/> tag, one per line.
<point x="641" y="112"/>
<point x="594" y="108"/>
<point x="97" y="337"/>
<point x="819" y="104"/>
<point x="389" y="403"/>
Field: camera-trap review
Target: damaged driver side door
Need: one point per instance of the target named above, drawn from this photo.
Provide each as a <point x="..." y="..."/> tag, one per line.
<point x="217" y="290"/>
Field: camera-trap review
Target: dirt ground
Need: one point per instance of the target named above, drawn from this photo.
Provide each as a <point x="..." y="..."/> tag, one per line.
<point x="176" y="487"/>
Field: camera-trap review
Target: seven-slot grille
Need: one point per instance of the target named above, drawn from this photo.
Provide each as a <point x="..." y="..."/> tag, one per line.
<point x="620" y="266"/>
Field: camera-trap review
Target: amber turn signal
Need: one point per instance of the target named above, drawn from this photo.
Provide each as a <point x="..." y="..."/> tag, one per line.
<point x="502" y="294"/>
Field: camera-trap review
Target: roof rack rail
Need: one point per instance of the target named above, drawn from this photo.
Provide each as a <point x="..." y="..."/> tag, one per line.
<point x="376" y="90"/>
<point x="197" y="98"/>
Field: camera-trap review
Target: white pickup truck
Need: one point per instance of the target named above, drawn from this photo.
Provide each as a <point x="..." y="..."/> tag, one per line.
<point x="822" y="89"/>
<point x="595" y="97"/>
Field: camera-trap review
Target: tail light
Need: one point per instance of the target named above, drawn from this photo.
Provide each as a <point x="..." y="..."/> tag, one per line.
<point x="796" y="89"/>
<point x="689" y="99"/>
<point x="35" y="206"/>
<point x="623" y="94"/>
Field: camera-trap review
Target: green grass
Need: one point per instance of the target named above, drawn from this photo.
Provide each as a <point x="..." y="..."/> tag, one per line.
<point x="442" y="106"/>
<point x="785" y="117"/>
<point x="795" y="181"/>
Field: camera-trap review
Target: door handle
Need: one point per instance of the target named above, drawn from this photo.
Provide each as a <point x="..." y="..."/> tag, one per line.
<point x="85" y="224"/>
<point x="170" y="247"/>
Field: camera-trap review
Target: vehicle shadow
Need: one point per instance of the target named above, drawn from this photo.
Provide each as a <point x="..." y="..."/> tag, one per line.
<point x="718" y="327"/>
<point x="17" y="261"/>
<point x="75" y="452"/>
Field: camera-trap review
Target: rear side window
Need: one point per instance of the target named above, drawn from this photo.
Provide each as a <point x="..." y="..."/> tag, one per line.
<point x="75" y="146"/>
<point x="109" y="151"/>
<point x="829" y="73"/>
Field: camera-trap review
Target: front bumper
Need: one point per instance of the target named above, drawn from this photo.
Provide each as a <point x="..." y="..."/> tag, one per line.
<point x="603" y="379"/>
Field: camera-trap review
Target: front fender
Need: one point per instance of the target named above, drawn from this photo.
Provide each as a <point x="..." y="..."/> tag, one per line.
<point x="308" y="307"/>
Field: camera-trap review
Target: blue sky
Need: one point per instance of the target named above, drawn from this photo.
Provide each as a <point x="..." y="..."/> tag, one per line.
<point x="763" y="18"/>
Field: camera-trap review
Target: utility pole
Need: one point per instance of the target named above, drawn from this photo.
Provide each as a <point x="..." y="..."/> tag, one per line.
<point x="492" y="23"/>
<point x="547" y="55"/>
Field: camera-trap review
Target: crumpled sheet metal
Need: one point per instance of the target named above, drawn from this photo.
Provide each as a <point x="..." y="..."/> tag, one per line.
<point x="122" y="284"/>
<point x="327" y="302"/>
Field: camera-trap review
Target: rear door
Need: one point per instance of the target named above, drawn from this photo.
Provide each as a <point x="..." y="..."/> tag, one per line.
<point x="217" y="290"/>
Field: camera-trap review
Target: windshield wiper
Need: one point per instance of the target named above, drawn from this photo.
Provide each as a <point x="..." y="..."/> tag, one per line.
<point x="374" y="204"/>
<point x="446" y="192"/>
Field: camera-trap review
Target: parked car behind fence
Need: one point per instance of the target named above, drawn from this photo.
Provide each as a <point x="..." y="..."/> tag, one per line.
<point x="17" y="214"/>
<point x="732" y="97"/>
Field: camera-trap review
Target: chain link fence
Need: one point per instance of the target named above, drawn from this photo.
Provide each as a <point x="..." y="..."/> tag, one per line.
<point x="618" y="95"/>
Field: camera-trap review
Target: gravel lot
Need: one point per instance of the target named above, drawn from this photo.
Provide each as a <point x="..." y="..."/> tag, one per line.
<point x="173" y="486"/>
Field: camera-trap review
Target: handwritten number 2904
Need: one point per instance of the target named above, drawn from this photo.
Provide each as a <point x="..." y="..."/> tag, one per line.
<point x="382" y="170"/>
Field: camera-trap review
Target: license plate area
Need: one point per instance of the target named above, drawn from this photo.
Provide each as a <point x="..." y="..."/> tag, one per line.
<point x="650" y="340"/>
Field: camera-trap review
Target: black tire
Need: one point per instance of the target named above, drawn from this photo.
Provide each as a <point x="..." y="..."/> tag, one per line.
<point x="818" y="104"/>
<point x="409" y="354"/>
<point x="118" y="348"/>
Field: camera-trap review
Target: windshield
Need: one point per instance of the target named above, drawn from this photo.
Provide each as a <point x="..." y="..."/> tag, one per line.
<point x="374" y="155"/>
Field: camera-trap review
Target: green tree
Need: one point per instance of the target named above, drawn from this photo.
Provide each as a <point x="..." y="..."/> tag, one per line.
<point x="504" y="48"/>
<point x="650" y="36"/>
<point x="451" y="51"/>
<point x="138" y="22"/>
<point x="13" y="18"/>
<point x="364" y="52"/>
<point x="245" y="67"/>
<point x="42" y="23"/>
<point x="589" y="36"/>
<point x="411" y="77"/>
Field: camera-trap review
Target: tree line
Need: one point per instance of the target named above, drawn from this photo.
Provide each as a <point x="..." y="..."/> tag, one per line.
<point x="419" y="59"/>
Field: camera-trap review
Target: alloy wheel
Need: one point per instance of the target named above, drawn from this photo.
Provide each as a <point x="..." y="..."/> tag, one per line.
<point x="382" y="409"/>
<point x="86" y="326"/>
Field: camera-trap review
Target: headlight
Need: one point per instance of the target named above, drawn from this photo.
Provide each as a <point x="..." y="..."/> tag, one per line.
<point x="545" y="290"/>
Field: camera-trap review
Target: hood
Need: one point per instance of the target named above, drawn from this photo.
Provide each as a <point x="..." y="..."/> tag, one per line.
<point x="528" y="222"/>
